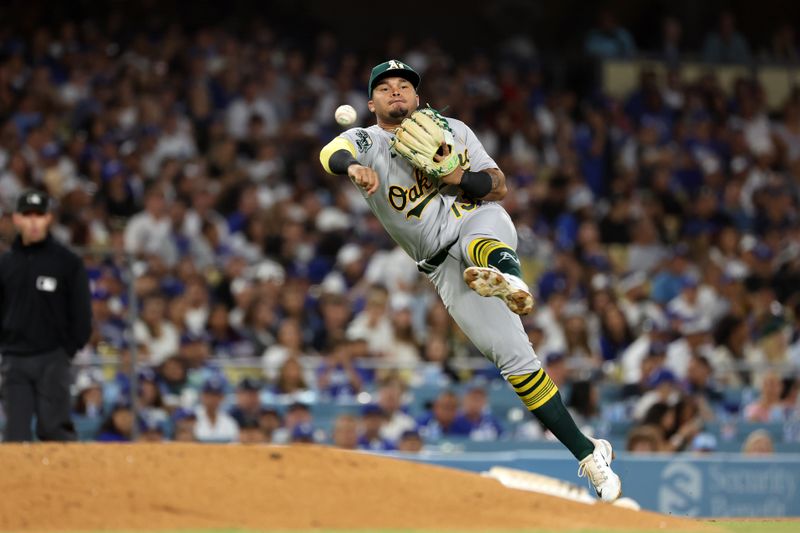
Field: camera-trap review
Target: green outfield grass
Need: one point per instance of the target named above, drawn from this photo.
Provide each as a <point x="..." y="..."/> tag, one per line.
<point x="756" y="526"/>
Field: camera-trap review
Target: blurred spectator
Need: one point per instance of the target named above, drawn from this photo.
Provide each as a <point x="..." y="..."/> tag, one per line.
<point x="704" y="443"/>
<point x="556" y="367"/>
<point x="158" y="337"/>
<point x="584" y="405"/>
<point x="150" y="430"/>
<point x="374" y="324"/>
<point x="290" y="382"/>
<point x="689" y="419"/>
<point x="339" y="375"/>
<point x="670" y="280"/>
<point x="172" y="375"/>
<point x="258" y="322"/>
<point x="289" y="346"/>
<point x="663" y="387"/>
<point x="303" y="433"/>
<point x="787" y="132"/>
<point x="404" y="351"/>
<point x="151" y="403"/>
<point x="194" y="351"/>
<point x="694" y="341"/>
<point x="392" y="269"/>
<point x="767" y="407"/>
<point x="580" y="350"/>
<point x="296" y="414"/>
<point x="345" y="432"/>
<point x="213" y="423"/>
<point x="651" y="343"/>
<point x="759" y="442"/>
<point x="730" y="352"/>
<point x="370" y="437"/>
<point x="476" y="414"/>
<point x="410" y="442"/>
<point x="390" y="400"/>
<point x="223" y="338"/>
<point x="184" y="421"/>
<point x="248" y="403"/>
<point x="726" y="44"/>
<point x="790" y="398"/>
<point x="784" y="46"/>
<point x="634" y="302"/>
<point x="441" y="420"/>
<point x="251" y="103"/>
<point x="14" y="179"/>
<point x="671" y="33"/>
<point x="662" y="417"/>
<point x="350" y="265"/>
<point x="437" y="368"/>
<point x="118" y="425"/>
<point x="645" y="439"/>
<point x="335" y="313"/>
<point x="149" y="232"/>
<point x="615" y="334"/>
<point x="701" y="385"/>
<point x="608" y="39"/>
<point x="270" y="422"/>
<point x="89" y="395"/>
<point x="250" y="431"/>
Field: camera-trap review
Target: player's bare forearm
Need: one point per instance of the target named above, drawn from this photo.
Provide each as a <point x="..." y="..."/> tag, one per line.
<point x="499" y="189"/>
<point x="496" y="189"/>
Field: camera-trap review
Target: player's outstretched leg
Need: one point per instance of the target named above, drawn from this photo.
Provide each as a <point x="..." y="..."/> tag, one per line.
<point x="497" y="273"/>
<point x="542" y="398"/>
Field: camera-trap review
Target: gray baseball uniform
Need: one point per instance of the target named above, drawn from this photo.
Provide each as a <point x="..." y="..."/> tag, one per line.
<point x="428" y="222"/>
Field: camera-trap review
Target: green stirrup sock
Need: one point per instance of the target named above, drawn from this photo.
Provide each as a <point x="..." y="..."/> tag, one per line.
<point x="555" y="417"/>
<point x="506" y="261"/>
<point x="540" y="395"/>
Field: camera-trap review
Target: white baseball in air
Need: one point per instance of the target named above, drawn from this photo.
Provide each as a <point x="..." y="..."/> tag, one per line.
<point x="345" y="115"/>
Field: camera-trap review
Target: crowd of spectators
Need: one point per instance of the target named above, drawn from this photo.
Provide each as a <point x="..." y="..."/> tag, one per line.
<point x="659" y="232"/>
<point x="723" y="43"/>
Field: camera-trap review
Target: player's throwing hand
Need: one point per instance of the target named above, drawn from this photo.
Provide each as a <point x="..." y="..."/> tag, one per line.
<point x="364" y="177"/>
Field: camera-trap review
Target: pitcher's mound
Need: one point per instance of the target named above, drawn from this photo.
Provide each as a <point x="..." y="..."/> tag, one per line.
<point x="171" y="486"/>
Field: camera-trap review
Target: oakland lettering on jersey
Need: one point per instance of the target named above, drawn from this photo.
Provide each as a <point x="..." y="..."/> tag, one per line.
<point x="416" y="196"/>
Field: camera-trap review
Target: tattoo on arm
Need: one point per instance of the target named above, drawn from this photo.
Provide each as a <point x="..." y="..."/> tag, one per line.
<point x="495" y="180"/>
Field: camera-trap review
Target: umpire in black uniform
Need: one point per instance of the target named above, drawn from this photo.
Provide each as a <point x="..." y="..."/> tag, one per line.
<point x="45" y="313"/>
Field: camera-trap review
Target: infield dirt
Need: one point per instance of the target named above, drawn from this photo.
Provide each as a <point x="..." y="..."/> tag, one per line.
<point x="70" y="487"/>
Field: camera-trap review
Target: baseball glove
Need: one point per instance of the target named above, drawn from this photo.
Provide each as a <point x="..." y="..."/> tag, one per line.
<point x="420" y="138"/>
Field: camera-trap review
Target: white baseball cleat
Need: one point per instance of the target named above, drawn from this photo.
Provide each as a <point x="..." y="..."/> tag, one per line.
<point x="488" y="281"/>
<point x="597" y="467"/>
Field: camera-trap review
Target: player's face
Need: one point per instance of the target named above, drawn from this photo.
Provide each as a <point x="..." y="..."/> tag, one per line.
<point x="393" y="99"/>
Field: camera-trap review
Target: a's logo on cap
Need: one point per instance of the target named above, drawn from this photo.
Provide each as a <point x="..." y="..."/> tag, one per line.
<point x="396" y="64"/>
<point x="35" y="199"/>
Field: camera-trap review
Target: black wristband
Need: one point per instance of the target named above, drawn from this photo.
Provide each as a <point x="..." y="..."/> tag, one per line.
<point x="476" y="185"/>
<point x="340" y="161"/>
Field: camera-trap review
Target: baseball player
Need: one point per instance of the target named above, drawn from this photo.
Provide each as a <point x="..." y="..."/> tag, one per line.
<point x="432" y="185"/>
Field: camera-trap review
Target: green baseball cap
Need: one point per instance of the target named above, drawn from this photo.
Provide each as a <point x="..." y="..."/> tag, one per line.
<point x="391" y="68"/>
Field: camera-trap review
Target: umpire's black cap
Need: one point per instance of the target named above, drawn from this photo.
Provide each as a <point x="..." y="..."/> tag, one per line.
<point x="391" y="68"/>
<point x="33" y="201"/>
